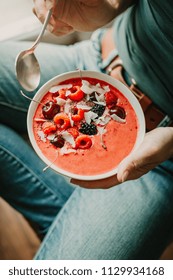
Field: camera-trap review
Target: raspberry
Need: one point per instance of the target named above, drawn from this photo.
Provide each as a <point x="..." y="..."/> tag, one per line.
<point x="98" y="109"/>
<point x="49" y="127"/>
<point x="58" y="141"/>
<point x="50" y="109"/>
<point x="111" y="99"/>
<point x="88" y="129"/>
<point x="76" y="93"/>
<point x="73" y="131"/>
<point x="62" y="121"/>
<point x="77" y="114"/>
<point x="60" y="93"/>
<point x="83" y="142"/>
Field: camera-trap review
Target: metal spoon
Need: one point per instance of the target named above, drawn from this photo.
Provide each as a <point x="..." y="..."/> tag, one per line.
<point x="27" y="66"/>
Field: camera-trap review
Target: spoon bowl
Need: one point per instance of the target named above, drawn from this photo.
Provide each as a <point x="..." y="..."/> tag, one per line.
<point x="28" y="70"/>
<point x="27" y="65"/>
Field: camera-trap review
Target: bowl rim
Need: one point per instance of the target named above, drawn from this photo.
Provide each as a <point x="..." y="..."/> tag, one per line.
<point x="84" y="74"/>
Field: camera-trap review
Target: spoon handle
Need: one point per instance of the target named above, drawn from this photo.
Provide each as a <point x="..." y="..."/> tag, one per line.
<point x="49" y="13"/>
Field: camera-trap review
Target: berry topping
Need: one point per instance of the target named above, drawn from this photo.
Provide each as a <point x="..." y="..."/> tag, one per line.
<point x="119" y="111"/>
<point x="60" y="93"/>
<point x="76" y="93"/>
<point x="111" y="99"/>
<point x="62" y="121"/>
<point x="58" y="141"/>
<point x="77" y="114"/>
<point x="73" y="131"/>
<point x="49" y="127"/>
<point x="98" y="109"/>
<point x="50" y="109"/>
<point x="89" y="129"/>
<point x="83" y="142"/>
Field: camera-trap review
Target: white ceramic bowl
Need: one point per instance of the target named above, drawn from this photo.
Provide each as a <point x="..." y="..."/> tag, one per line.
<point x="90" y="74"/>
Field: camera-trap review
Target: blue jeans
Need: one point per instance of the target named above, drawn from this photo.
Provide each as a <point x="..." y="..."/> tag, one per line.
<point x="131" y="221"/>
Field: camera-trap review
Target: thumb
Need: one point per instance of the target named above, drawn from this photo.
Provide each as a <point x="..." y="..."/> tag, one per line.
<point x="132" y="167"/>
<point x="49" y="4"/>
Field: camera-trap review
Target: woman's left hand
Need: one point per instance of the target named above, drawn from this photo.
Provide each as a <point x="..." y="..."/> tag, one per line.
<point x="156" y="148"/>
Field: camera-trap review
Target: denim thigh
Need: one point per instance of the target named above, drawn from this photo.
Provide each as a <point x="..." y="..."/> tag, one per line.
<point x="131" y="221"/>
<point x="38" y="195"/>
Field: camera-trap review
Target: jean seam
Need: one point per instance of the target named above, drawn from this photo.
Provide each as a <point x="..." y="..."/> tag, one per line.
<point x="29" y="170"/>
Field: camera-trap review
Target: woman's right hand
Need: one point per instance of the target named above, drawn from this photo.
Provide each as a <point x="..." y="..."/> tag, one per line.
<point x="75" y="15"/>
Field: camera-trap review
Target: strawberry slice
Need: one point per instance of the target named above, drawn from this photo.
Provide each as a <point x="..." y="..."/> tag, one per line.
<point x="62" y="121"/>
<point x="111" y="99"/>
<point x="83" y="142"/>
<point x="76" y="93"/>
<point x="49" y="127"/>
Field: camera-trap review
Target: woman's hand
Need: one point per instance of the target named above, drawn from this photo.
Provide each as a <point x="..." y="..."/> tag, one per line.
<point x="156" y="148"/>
<point x="78" y="15"/>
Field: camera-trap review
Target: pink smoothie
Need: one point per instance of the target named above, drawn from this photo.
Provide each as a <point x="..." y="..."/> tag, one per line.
<point x="115" y="136"/>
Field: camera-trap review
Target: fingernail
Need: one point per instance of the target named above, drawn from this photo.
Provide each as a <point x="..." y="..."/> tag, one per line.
<point x="125" y="176"/>
<point x="49" y="4"/>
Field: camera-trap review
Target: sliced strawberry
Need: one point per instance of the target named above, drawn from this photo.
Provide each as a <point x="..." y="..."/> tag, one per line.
<point x="49" y="127"/>
<point x="73" y="131"/>
<point x="77" y="114"/>
<point x="62" y="121"/>
<point x="111" y="99"/>
<point x="76" y="93"/>
<point x="83" y="142"/>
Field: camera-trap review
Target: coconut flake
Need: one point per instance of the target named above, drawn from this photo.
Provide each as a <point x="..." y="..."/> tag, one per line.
<point x="103" y="120"/>
<point x="100" y="103"/>
<point x="106" y="88"/>
<point x="57" y="88"/>
<point x="40" y="120"/>
<point x="50" y="137"/>
<point x="41" y="135"/>
<point x="83" y="107"/>
<point x="89" y="116"/>
<point x="60" y="101"/>
<point x="64" y="151"/>
<point x="101" y="129"/>
<point x="117" y="118"/>
<point x="100" y="98"/>
<point x="88" y="88"/>
<point x="68" y="138"/>
<point x="68" y="92"/>
<point x="67" y="108"/>
<point x="71" y="121"/>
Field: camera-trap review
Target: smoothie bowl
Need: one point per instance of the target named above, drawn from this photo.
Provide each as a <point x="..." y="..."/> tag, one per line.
<point x="84" y="124"/>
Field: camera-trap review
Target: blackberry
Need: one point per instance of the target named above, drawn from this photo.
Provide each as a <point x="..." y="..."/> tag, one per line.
<point x="88" y="129"/>
<point x="98" y="109"/>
